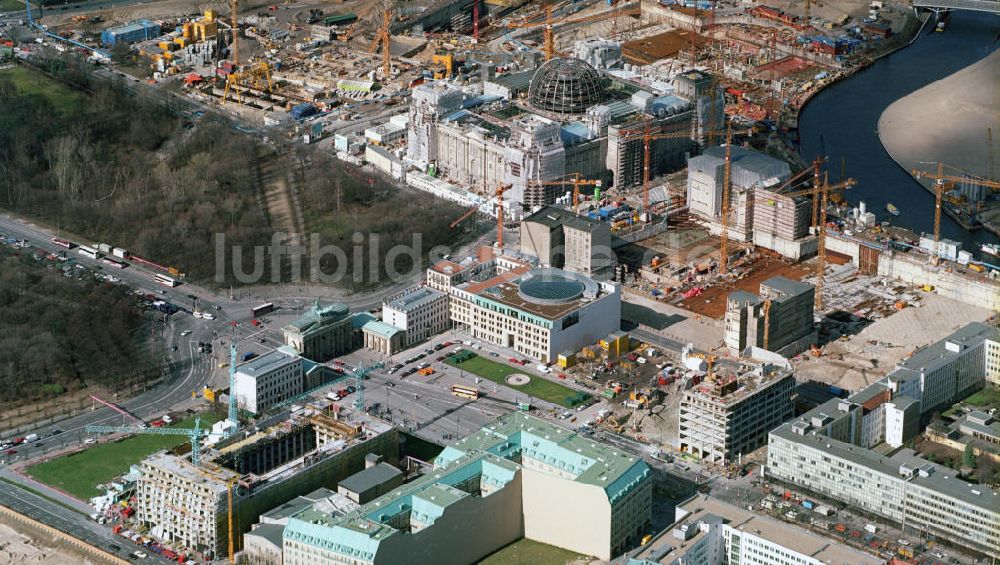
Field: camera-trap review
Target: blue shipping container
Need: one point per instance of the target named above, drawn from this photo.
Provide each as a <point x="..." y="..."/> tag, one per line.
<point x="303" y="111"/>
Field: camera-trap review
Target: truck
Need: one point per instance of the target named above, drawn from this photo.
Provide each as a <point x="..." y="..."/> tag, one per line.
<point x="104" y="248"/>
<point x="248" y="356"/>
<point x="808" y="504"/>
<point x="119" y="252"/>
<point x="30" y="438"/>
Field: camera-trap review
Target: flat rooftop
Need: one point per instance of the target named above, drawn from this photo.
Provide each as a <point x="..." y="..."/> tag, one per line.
<point x="553" y="217"/>
<point x="413" y="300"/>
<point x="546" y="293"/>
<point x="939" y="478"/>
<point x="940" y="352"/>
<point x="266" y="363"/>
<point x="665" y="548"/>
<point x="516" y="435"/>
<point x="747" y="385"/>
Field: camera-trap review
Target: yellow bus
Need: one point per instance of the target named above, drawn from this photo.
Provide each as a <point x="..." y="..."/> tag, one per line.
<point x="465" y="392"/>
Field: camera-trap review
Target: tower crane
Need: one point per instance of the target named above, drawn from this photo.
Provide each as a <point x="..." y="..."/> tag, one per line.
<point x="576" y="180"/>
<point x="234" y="8"/>
<point x="548" y="25"/>
<point x="824" y="190"/>
<point x="649" y="134"/>
<point x="194" y="434"/>
<point x="501" y="189"/>
<point x="709" y="363"/>
<point x="138" y="421"/>
<point x="726" y="181"/>
<point x="360" y="373"/>
<point x="944" y="182"/>
<point x="382" y="37"/>
<point x="233" y="415"/>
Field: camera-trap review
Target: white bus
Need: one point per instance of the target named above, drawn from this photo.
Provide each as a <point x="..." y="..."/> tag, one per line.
<point x="87" y="251"/>
<point x="166" y="281"/>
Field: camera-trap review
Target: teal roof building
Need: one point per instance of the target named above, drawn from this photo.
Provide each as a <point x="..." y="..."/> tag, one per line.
<point x="520" y="477"/>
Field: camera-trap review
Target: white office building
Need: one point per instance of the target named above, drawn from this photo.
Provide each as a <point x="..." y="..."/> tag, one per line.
<point x="267" y="380"/>
<point x="421" y="312"/>
<point x="828" y="450"/>
<point x="709" y="531"/>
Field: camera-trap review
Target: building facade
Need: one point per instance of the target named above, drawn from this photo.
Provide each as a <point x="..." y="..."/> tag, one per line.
<point x="709" y="531"/>
<point x="421" y="312"/>
<point x="539" y="313"/>
<point x="322" y="333"/>
<point x="827" y="450"/>
<point x="562" y="239"/>
<point x="519" y="477"/>
<point x="783" y="313"/>
<point x="722" y="420"/>
<point x="267" y="380"/>
<point x="186" y="505"/>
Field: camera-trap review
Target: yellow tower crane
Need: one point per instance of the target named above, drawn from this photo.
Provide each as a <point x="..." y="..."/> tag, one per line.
<point x="823" y="195"/>
<point x="383" y="37"/>
<point x="576" y="180"/>
<point x="648" y="134"/>
<point x="943" y="182"/>
<point x="548" y="25"/>
<point x="499" y="206"/>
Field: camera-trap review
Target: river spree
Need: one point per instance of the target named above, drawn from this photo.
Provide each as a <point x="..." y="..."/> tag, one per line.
<point x="842" y="121"/>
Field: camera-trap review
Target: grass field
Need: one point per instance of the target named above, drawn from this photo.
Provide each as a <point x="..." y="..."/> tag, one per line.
<point x="988" y="397"/>
<point x="77" y="474"/>
<point x="537" y="387"/>
<point x="11" y="5"/>
<point x="63" y="98"/>
<point x="528" y="552"/>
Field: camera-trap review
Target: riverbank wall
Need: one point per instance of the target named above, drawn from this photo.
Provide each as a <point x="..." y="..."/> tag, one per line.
<point x="950" y="280"/>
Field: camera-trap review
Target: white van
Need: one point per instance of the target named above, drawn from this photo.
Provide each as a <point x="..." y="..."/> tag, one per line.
<point x="543" y="369"/>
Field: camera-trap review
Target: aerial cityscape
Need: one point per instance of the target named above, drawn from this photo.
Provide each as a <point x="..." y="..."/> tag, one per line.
<point x="500" y="282"/>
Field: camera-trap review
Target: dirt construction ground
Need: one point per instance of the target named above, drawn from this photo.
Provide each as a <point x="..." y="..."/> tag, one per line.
<point x="869" y="355"/>
<point x="16" y="547"/>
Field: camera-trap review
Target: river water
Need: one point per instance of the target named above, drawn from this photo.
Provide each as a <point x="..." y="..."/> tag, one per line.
<point x="842" y="121"/>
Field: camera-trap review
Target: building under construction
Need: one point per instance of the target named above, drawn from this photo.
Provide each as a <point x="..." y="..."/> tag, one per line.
<point x="187" y="505"/>
<point x="726" y="417"/>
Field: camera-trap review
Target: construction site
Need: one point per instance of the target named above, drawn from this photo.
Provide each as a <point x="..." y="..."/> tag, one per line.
<point x="204" y="502"/>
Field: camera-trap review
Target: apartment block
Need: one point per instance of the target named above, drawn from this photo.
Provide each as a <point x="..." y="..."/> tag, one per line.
<point x="267" y="380"/>
<point x="520" y="477"/>
<point x="949" y="369"/>
<point x="724" y="418"/>
<point x="709" y="531"/>
<point x="781" y="315"/>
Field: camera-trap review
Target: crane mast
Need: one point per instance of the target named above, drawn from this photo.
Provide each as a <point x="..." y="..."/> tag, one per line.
<point x="726" y="174"/>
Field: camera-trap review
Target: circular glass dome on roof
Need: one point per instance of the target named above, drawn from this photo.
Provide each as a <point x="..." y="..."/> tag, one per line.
<point x="555" y="286"/>
<point x="558" y="290"/>
<point x="566" y="86"/>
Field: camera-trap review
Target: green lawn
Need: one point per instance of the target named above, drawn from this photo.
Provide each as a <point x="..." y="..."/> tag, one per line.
<point x="528" y="552"/>
<point x="987" y="397"/>
<point x="538" y="387"/>
<point x="11" y="5"/>
<point x="77" y="474"/>
<point x="63" y="98"/>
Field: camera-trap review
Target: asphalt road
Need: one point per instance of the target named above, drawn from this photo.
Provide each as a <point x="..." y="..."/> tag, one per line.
<point x="70" y="522"/>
